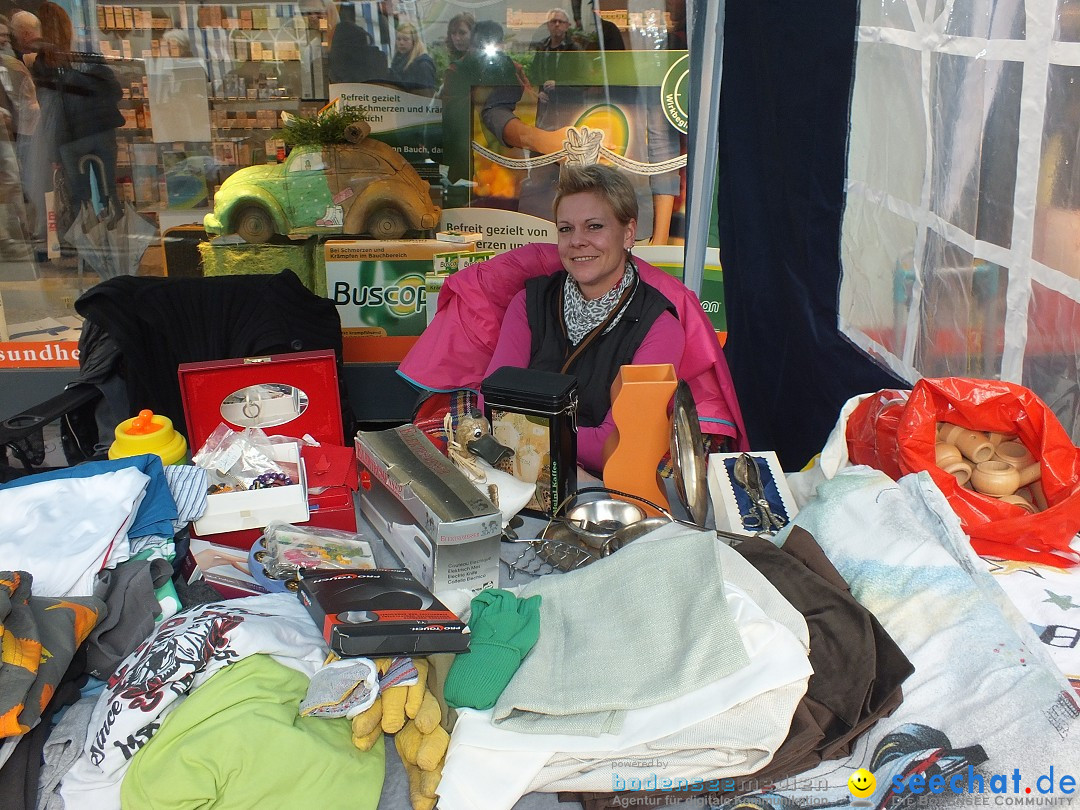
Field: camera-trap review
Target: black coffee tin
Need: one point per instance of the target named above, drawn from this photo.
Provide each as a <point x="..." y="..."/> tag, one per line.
<point x="534" y="413"/>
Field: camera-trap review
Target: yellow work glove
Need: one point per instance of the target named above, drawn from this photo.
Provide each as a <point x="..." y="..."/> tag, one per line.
<point x="422" y="754"/>
<point x="423" y="787"/>
<point x="367" y="726"/>
<point x="426" y="751"/>
<point x="401" y="703"/>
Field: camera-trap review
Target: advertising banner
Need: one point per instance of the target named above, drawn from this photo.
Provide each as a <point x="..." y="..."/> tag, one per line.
<point x="408" y="122"/>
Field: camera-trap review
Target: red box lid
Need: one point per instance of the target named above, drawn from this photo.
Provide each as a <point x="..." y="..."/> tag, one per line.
<point x="283" y="394"/>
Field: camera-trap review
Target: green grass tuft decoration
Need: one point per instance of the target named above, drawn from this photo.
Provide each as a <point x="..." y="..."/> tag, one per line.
<point x="322" y="129"/>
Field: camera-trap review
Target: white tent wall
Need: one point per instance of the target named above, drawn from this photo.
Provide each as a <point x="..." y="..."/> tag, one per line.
<point x="961" y="233"/>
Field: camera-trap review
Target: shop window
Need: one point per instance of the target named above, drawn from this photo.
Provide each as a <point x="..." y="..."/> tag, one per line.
<point x="477" y="101"/>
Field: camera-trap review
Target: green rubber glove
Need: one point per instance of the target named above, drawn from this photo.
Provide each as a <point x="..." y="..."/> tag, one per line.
<point x="504" y="629"/>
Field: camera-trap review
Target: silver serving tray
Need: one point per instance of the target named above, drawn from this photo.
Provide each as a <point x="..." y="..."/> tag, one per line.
<point x="688" y="456"/>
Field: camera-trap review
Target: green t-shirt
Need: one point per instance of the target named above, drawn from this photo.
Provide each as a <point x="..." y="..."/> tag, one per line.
<point x="238" y="742"/>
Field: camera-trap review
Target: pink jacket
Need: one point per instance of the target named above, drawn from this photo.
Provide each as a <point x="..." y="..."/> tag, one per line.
<point x="453" y="352"/>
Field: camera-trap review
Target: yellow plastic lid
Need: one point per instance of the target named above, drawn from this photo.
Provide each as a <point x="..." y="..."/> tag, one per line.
<point x="135" y="437"/>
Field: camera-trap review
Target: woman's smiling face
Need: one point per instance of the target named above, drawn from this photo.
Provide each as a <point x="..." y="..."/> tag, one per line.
<point x="592" y="242"/>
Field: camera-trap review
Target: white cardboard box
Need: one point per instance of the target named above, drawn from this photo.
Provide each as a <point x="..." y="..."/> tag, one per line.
<point x="254" y="508"/>
<point x="441" y="527"/>
<point x="731" y="505"/>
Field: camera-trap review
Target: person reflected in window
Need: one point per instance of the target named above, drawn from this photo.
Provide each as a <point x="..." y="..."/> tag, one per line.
<point x="354" y="57"/>
<point x="599" y="34"/>
<point x="413" y="68"/>
<point x="485" y="77"/>
<point x="87" y="115"/>
<point x="25" y="36"/>
<point x="556" y="103"/>
<point x="459" y="34"/>
<point x="19" y="114"/>
<point x="36" y="154"/>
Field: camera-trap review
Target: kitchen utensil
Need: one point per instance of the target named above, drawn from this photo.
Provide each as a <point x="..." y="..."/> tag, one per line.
<point x="748" y="477"/>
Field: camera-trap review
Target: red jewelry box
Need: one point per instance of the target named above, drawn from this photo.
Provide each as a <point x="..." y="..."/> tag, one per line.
<point x="205" y="386"/>
<point x="283" y="394"/>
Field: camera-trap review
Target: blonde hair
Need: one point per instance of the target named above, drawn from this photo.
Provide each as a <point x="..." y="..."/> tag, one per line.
<point x="608" y="183"/>
<point x="417" y="46"/>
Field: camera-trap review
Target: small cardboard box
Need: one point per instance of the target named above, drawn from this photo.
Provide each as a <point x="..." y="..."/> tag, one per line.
<point x="444" y="529"/>
<point x="379" y="286"/>
<point x="732" y="507"/>
<point x="223" y="568"/>
<point x="380" y="612"/>
<point x="460" y="237"/>
<point x="442" y="266"/>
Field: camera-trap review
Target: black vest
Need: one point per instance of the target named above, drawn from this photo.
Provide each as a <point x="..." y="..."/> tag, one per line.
<point x="597" y="366"/>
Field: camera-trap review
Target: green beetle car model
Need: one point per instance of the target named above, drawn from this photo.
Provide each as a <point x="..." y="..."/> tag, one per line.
<point x="355" y="188"/>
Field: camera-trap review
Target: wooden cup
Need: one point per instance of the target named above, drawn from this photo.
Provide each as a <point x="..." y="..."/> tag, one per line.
<point x="1014" y="453"/>
<point x="974" y="446"/>
<point x="946" y="454"/>
<point x="947" y="432"/>
<point x="1038" y="496"/>
<point x="995" y="478"/>
<point x="1030" y="474"/>
<point x="1017" y="500"/>
<point x="958" y="469"/>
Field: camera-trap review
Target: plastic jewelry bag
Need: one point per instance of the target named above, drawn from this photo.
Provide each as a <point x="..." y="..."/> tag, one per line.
<point x="240" y="461"/>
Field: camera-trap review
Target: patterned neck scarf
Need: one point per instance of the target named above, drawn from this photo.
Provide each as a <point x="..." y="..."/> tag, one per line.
<point x="582" y="316"/>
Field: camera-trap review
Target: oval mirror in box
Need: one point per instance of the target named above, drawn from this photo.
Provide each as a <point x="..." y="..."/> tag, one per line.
<point x="264" y="405"/>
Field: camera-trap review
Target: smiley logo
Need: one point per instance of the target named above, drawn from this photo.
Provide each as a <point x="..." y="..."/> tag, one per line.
<point x="861" y="783"/>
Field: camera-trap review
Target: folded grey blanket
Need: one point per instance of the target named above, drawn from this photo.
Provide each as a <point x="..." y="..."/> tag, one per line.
<point x="634" y="629"/>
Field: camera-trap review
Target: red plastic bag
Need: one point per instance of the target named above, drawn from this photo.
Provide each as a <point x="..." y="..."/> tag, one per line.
<point x="871" y="431"/>
<point x="895" y="431"/>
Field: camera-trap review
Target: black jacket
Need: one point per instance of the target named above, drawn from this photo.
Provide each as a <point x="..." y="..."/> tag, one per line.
<point x="89" y="94"/>
<point x="158" y="323"/>
<point x="597" y="366"/>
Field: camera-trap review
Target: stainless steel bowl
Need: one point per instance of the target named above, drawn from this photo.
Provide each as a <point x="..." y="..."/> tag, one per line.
<point x="604" y="516"/>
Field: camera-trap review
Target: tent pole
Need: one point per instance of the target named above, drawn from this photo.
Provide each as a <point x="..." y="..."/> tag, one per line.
<point x="706" y="26"/>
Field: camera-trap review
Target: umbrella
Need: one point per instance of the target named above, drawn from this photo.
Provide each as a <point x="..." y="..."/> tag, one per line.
<point x="113" y="241"/>
<point x="128" y="236"/>
<point x="87" y="236"/>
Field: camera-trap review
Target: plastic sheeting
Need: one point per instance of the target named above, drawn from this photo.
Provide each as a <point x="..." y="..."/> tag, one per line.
<point x="961" y="233"/>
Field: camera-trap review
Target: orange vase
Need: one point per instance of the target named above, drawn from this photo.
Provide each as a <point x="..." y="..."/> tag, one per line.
<point x="639" y="406"/>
